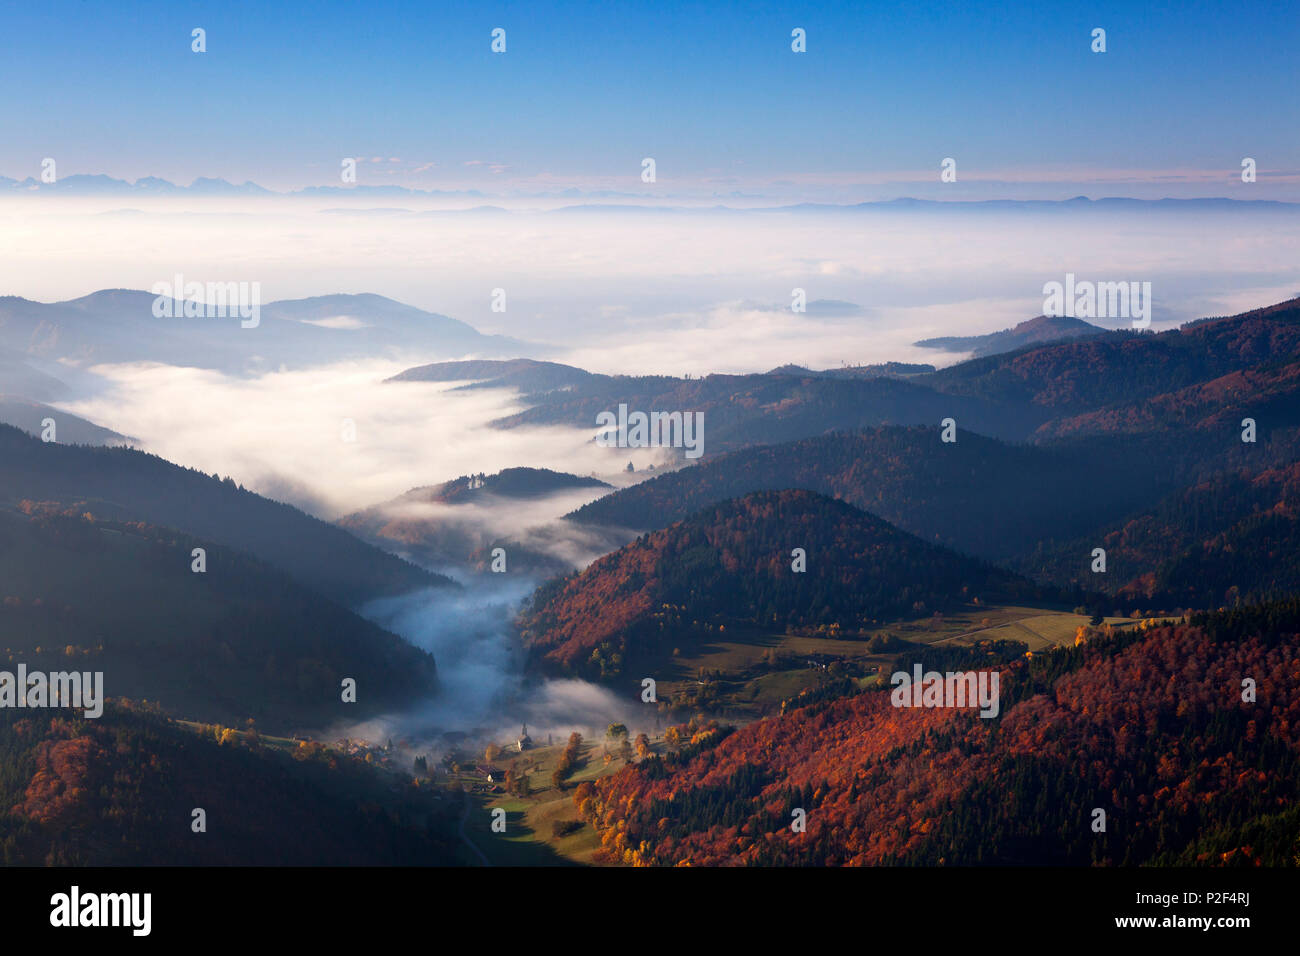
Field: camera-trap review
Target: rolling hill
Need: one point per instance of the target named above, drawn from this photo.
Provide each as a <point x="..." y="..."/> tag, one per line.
<point x="1087" y="384"/>
<point x="129" y="485"/>
<point x="1268" y="393"/>
<point x="1133" y="423"/>
<point x="1069" y="378"/>
<point x="1036" y="331"/>
<point x="19" y="378"/>
<point x="529" y="376"/>
<point x="119" y="325"/>
<point x="976" y="495"/>
<point x="238" y="640"/>
<point x="879" y="370"/>
<point x="730" y="565"/>
<point x="744" y="410"/>
<point x="519" y="483"/>
<point x="739" y="410"/>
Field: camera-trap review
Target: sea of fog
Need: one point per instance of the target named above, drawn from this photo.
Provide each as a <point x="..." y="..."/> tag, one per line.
<point x="625" y="291"/>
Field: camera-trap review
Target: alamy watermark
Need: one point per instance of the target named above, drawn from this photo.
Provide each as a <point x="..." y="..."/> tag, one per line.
<point x="653" y="430"/>
<point x="56" y="689"/>
<point x="1099" y="300"/>
<point x="932" y="689"/>
<point x="129" y="910"/>
<point x="212" y="300"/>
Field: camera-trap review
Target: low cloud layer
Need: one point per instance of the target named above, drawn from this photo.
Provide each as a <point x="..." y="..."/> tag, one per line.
<point x="462" y="528"/>
<point x="286" y="434"/>
<point x="660" y="290"/>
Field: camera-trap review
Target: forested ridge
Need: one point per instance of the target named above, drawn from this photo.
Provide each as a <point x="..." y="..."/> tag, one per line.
<point x="1139" y="446"/>
<point x="1151" y="727"/>
<point x="734" y="564"/>
<point x="1232" y="537"/>
<point x="130" y="485"/>
<point x="121" y="790"/>
<point x="238" y="640"/>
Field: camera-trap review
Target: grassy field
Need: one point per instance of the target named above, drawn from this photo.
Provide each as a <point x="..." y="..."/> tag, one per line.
<point x="530" y="839"/>
<point x="287" y="744"/>
<point x="1035" y="628"/>
<point x="736" y="665"/>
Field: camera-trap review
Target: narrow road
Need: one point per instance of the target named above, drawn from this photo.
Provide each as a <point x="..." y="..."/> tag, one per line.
<point x="990" y="627"/>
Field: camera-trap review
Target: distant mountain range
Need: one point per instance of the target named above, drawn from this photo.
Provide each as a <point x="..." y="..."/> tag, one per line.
<point x="89" y="184"/>
<point x="82" y="184"/>
<point x="744" y="410"/>
<point x="1087" y="383"/>
<point x="119" y="325"/>
<point x="1074" y="204"/>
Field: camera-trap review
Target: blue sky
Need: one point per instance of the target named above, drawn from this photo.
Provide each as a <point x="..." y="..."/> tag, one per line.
<point x="711" y="90"/>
